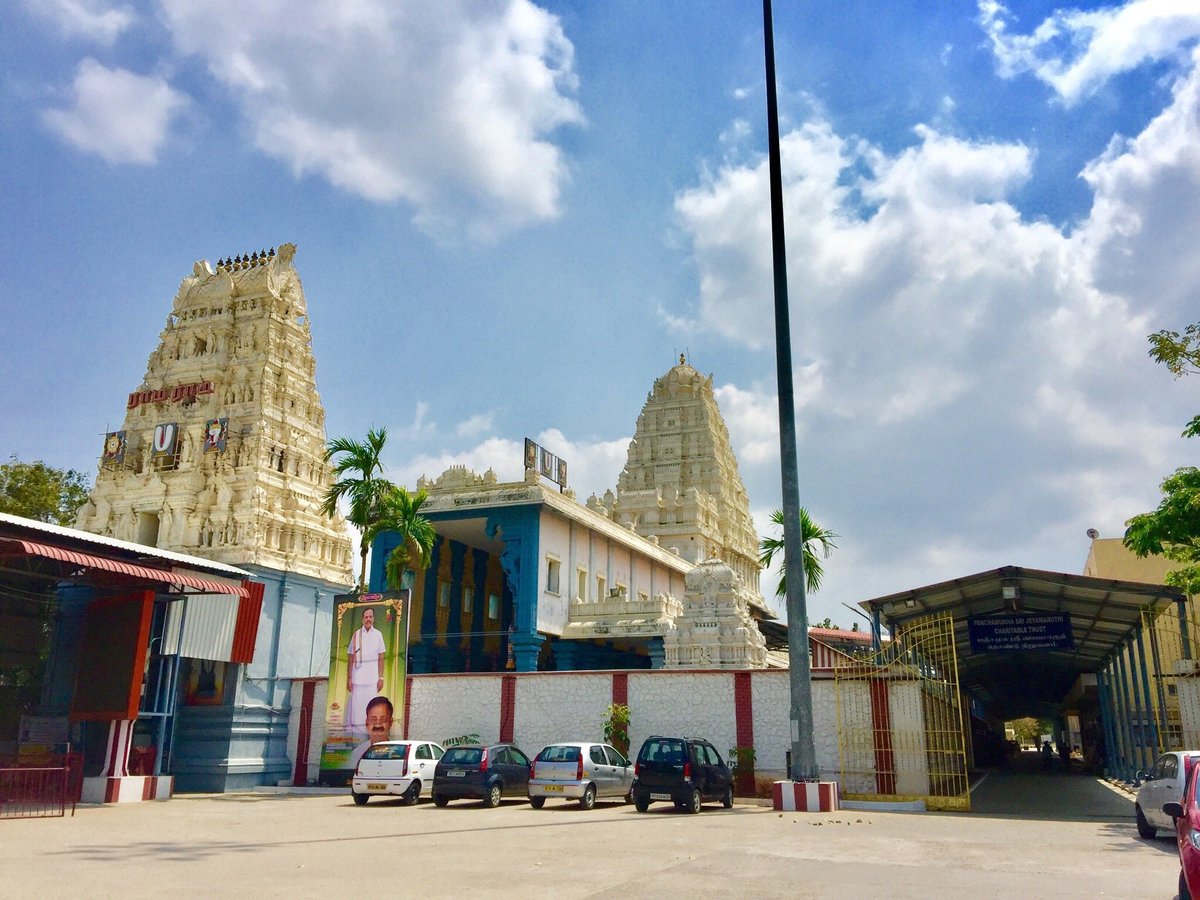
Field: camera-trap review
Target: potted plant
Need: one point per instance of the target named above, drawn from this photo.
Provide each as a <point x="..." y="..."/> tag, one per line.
<point x="741" y="760"/>
<point x="616" y="726"/>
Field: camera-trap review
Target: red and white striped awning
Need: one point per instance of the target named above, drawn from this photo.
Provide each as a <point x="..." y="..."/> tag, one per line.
<point x="30" y="548"/>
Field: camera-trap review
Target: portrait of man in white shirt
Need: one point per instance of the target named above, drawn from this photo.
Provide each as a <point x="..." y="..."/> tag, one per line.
<point x="364" y="678"/>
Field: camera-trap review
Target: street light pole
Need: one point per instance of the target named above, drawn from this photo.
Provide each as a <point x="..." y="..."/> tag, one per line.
<point x="804" y="754"/>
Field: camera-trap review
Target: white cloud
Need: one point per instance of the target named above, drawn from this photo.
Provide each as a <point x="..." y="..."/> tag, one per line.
<point x="449" y="106"/>
<point x="1076" y="52"/>
<point x="980" y="377"/>
<point x="90" y="19"/>
<point x="116" y="114"/>
<point x="475" y="425"/>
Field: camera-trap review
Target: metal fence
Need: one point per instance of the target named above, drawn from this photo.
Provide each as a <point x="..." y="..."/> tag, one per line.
<point x="40" y="785"/>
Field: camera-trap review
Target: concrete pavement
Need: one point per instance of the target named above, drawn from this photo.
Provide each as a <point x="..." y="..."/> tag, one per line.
<point x="262" y="845"/>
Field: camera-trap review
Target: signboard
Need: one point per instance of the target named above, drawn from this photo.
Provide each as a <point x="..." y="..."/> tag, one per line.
<point x="166" y="437"/>
<point x="1019" y="633"/>
<point x="176" y="394"/>
<point x="368" y="658"/>
<point x="215" y="433"/>
<point x="543" y="461"/>
<point x="114" y="447"/>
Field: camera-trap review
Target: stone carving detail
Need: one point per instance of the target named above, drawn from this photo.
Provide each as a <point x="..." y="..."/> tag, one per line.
<point x="241" y="328"/>
<point x="715" y="628"/>
<point x="617" y="616"/>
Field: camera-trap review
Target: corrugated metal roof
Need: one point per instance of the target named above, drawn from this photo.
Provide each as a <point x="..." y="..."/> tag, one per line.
<point x="122" y="568"/>
<point x="192" y="562"/>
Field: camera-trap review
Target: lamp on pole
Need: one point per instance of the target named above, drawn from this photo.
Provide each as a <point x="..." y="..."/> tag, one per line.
<point x="804" y="754"/>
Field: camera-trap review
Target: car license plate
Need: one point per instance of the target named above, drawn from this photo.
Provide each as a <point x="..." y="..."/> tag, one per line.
<point x="376" y="787"/>
<point x="557" y="788"/>
<point x="660" y="796"/>
<point x="455" y="773"/>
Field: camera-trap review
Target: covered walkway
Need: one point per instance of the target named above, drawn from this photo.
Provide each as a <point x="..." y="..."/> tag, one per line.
<point x="1023" y="789"/>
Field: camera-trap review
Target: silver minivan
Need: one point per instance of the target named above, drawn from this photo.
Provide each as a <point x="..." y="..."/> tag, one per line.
<point x="581" y="771"/>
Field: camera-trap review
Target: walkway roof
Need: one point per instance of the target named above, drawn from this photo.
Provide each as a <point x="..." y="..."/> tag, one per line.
<point x="1103" y="612"/>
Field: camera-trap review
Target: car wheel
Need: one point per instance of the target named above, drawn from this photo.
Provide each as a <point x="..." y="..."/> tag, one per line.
<point x="440" y="799"/>
<point x="629" y="796"/>
<point x="360" y="799"/>
<point x="413" y="793"/>
<point x="694" y="805"/>
<point x="491" y="799"/>
<point x="1184" y="893"/>
<point x="537" y="802"/>
<point x="1145" y="829"/>
<point x="727" y="800"/>
<point x="588" y="800"/>
<point x="641" y="804"/>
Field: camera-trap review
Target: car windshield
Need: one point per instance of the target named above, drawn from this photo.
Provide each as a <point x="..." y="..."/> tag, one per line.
<point x="665" y="751"/>
<point x="387" y="751"/>
<point x="559" y="754"/>
<point x="462" y="756"/>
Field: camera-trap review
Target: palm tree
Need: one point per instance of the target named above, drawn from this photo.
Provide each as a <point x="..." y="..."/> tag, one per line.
<point x="359" y="471"/>
<point x="401" y="514"/>
<point x="814" y="539"/>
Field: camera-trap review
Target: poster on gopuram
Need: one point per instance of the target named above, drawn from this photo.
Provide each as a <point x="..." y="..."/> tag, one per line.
<point x="367" y="656"/>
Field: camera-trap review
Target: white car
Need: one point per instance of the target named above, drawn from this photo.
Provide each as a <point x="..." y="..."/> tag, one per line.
<point x="1162" y="784"/>
<point x="396" y="768"/>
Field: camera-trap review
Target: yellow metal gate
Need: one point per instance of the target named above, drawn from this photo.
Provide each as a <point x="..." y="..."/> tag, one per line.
<point x="900" y="720"/>
<point x="1170" y="643"/>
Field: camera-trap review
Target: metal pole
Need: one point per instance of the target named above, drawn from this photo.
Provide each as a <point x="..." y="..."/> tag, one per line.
<point x="804" y="753"/>
<point x="1110" y="760"/>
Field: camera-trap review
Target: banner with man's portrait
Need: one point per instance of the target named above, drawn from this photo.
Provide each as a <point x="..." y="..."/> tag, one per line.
<point x="367" y="656"/>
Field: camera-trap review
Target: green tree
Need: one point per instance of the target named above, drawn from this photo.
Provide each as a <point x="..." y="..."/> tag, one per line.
<point x="818" y="543"/>
<point x="1173" y="529"/>
<point x="1029" y="731"/>
<point x="358" y="468"/>
<point x="38" y="491"/>
<point x="402" y="515"/>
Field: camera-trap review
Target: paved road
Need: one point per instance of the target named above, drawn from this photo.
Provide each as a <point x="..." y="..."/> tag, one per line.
<point x="270" y="845"/>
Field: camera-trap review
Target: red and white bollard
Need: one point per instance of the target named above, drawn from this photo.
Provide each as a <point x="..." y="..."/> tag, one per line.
<point x="805" y="796"/>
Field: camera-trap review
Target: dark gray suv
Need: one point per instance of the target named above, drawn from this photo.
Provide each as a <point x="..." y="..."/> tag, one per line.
<point x="683" y="771"/>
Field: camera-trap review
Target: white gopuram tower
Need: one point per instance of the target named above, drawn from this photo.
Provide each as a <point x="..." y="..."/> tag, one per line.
<point x="221" y="450"/>
<point x="681" y="483"/>
<point x="221" y="455"/>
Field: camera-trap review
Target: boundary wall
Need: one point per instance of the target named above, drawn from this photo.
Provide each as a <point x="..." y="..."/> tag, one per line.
<point x="731" y="708"/>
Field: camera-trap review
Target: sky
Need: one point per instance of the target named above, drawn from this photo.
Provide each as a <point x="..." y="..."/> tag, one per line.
<point x="513" y="216"/>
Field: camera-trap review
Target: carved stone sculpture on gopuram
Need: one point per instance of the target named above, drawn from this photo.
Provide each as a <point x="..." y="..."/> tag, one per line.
<point x="220" y="453"/>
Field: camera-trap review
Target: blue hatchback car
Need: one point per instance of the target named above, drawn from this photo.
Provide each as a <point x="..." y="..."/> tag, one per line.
<point x="479" y="772"/>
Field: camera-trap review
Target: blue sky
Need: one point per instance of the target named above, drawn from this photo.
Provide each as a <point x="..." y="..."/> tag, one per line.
<point x="511" y="218"/>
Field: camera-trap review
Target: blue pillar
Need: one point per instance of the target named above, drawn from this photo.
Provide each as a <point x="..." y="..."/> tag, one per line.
<point x="525" y="650"/>
<point x="518" y="528"/>
<point x="566" y="655"/>
<point x="1142" y="684"/>
<point x="1111" y="768"/>
<point x="876" y="630"/>
<point x="1184" y="638"/>
<point x="479" y="620"/>
<point x="429" y="601"/>
<point x="1160" y="693"/>
<point x="657" y="651"/>
<point x="1127" y="714"/>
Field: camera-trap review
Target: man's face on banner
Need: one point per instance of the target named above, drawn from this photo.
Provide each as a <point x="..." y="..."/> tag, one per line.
<point x="379" y="722"/>
<point x="368" y="619"/>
